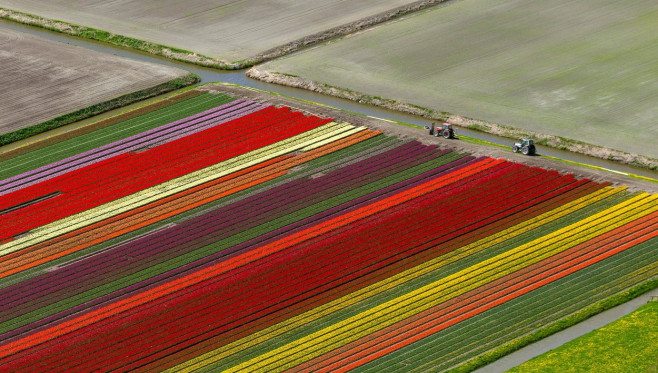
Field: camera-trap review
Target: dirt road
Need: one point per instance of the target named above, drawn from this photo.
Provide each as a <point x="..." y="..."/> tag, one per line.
<point x="421" y="135"/>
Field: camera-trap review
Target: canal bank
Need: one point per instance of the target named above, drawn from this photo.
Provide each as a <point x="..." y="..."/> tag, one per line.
<point x="239" y="77"/>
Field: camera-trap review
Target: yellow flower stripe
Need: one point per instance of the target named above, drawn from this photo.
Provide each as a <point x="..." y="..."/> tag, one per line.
<point x="332" y="139"/>
<point x="423" y="298"/>
<point x="45" y="232"/>
<point x="393" y="281"/>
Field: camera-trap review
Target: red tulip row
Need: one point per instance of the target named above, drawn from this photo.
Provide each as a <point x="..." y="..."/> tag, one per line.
<point x="336" y="256"/>
<point x="128" y="173"/>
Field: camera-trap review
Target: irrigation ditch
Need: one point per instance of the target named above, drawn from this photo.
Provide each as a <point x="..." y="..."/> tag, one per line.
<point x="238" y="77"/>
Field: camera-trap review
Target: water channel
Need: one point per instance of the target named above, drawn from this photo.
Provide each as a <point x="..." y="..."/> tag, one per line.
<point x="239" y="77"/>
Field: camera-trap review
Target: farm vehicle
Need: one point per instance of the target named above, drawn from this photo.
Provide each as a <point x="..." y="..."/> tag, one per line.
<point x="526" y="146"/>
<point x="445" y="130"/>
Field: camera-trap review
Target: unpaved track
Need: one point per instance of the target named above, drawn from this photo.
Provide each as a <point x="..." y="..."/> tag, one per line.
<point x="42" y="79"/>
<point x="406" y="132"/>
<point x="581" y="70"/>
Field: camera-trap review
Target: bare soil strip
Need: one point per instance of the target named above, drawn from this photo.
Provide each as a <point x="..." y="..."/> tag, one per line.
<point x="580" y="72"/>
<point x="43" y="80"/>
<point x="557" y="142"/>
<point x="406" y="132"/>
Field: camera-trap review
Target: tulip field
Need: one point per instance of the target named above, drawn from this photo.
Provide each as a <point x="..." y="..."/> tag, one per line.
<point x="214" y="233"/>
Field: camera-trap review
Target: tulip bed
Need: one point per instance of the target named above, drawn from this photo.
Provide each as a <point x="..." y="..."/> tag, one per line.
<point x="221" y="234"/>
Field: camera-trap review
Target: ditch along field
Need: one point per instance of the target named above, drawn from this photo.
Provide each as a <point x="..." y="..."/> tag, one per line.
<point x="42" y="80"/>
<point x="228" y="33"/>
<point x="625" y="345"/>
<point x="581" y="70"/>
<point x="212" y="232"/>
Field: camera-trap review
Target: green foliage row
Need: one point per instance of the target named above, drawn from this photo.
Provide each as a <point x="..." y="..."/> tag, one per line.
<point x="513" y="320"/>
<point x="102" y="136"/>
<point x="99" y="108"/>
<point x="238" y="238"/>
<point x="323" y="164"/>
<point x="566" y="322"/>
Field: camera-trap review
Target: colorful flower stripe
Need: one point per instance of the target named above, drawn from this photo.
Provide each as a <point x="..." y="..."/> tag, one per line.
<point x="164" y="189"/>
<point x="374" y="319"/>
<point x="243" y="344"/>
<point x="226" y="241"/>
<point x="203" y="274"/>
<point x="151" y="138"/>
<point x="404" y="333"/>
<point x="123" y="222"/>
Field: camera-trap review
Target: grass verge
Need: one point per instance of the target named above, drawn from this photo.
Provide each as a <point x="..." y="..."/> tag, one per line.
<point x="625" y="345"/>
<point x="557" y="142"/>
<point x="201" y="60"/>
<point x="562" y="324"/>
<point x="114" y="39"/>
<point x="99" y="108"/>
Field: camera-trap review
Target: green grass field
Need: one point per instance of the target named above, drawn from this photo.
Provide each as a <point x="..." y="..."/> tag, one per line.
<point x="626" y="345"/>
<point x="582" y="70"/>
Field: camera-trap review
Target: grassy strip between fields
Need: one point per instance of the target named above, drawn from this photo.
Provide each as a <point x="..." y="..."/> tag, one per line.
<point x="99" y="108"/>
<point x="114" y="39"/>
<point x="201" y="60"/>
<point x="562" y="324"/>
<point x="625" y="345"/>
<point x="552" y="141"/>
<point x="36" y="143"/>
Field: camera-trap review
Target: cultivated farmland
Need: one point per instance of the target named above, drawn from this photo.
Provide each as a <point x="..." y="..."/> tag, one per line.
<point x="219" y="232"/>
<point x="224" y="30"/>
<point x="582" y="70"/>
<point x="42" y="79"/>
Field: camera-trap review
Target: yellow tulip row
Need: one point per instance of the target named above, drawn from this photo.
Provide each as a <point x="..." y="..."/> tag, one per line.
<point x="295" y="143"/>
<point x="393" y="281"/>
<point x="332" y="139"/>
<point x="451" y="286"/>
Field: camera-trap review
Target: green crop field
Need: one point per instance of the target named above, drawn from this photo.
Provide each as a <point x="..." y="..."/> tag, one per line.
<point x="582" y="70"/>
<point x="626" y="345"/>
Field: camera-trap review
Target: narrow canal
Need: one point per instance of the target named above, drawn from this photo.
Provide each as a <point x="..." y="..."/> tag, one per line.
<point x="239" y="77"/>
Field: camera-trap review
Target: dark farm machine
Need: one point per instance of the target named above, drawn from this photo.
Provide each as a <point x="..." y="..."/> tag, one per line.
<point x="525" y="146"/>
<point x="444" y="130"/>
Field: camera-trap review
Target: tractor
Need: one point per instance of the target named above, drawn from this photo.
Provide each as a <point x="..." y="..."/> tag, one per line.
<point x="445" y="130"/>
<point x="526" y="146"/>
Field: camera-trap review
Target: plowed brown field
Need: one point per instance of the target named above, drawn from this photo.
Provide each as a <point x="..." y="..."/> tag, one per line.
<point x="42" y="79"/>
